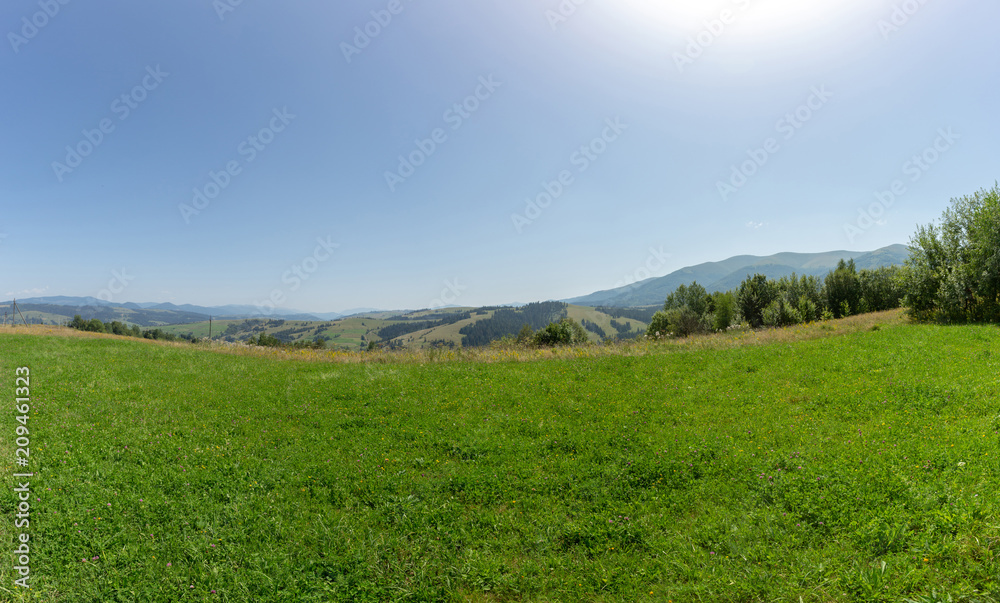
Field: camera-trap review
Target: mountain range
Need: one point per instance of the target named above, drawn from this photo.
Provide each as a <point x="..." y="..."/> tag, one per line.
<point x="714" y="276"/>
<point x="728" y="274"/>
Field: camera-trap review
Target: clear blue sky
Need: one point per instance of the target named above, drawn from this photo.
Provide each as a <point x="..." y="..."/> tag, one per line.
<point x="632" y="113"/>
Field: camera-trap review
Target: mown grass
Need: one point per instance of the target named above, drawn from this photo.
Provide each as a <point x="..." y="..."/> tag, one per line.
<point x="709" y="470"/>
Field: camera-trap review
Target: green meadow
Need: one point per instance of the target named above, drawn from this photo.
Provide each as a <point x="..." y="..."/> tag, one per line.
<point x="848" y="466"/>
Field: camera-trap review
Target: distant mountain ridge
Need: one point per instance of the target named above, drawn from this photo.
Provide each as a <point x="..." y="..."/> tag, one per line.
<point x="729" y="273"/>
<point x="146" y="314"/>
<point x="714" y="276"/>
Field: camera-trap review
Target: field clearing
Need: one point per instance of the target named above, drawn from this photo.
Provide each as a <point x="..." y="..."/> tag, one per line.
<point x="761" y="466"/>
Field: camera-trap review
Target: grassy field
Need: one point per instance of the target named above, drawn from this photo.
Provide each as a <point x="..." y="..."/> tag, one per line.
<point x="846" y="461"/>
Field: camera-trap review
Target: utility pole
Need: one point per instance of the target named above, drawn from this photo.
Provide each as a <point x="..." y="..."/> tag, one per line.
<point x="210" y="328"/>
<point x="13" y="318"/>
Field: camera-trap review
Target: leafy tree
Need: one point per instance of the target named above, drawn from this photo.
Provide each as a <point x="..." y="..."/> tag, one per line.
<point x="694" y="297"/>
<point x="793" y="288"/>
<point x="953" y="272"/>
<point x="881" y="289"/>
<point x="659" y="325"/>
<point x="687" y="311"/>
<point x="755" y="294"/>
<point x="780" y="313"/>
<point x="577" y="333"/>
<point x="265" y="340"/>
<point x="724" y="313"/>
<point x="843" y="289"/>
<point x="118" y="328"/>
<point x="526" y="334"/>
<point x="684" y="322"/>
<point x="808" y="310"/>
<point x="565" y="332"/>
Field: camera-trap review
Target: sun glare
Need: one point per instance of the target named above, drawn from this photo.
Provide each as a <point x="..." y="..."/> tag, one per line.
<point x="750" y="17"/>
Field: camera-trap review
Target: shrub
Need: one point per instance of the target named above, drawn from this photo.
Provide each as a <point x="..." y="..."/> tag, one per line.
<point x="659" y="326"/>
<point x="953" y="272"/>
<point x="755" y="294"/>
<point x="843" y="289"/>
<point x="565" y="332"/>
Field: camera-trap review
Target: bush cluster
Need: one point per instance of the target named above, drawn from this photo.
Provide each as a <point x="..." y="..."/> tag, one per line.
<point x="953" y="272"/>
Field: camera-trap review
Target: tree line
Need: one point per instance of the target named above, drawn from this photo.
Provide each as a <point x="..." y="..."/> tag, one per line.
<point x="951" y="275"/>
<point x="95" y="325"/>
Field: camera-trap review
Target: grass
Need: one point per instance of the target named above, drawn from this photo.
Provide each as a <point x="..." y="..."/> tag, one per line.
<point x="853" y="460"/>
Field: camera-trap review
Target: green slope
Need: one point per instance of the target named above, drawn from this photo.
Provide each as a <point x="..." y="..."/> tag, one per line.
<point x="852" y="468"/>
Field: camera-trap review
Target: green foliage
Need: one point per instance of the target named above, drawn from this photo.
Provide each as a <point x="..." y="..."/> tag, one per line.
<point x="693" y="297"/>
<point x="755" y="294"/>
<point x="265" y="340"/>
<point x="565" y="332"/>
<point x="953" y="272"/>
<point x="793" y="288"/>
<point x="724" y="310"/>
<point x="880" y="289"/>
<point x="686" y="311"/>
<point x="507" y="321"/>
<point x="684" y="321"/>
<point x="808" y="309"/>
<point x="659" y="326"/>
<point x="780" y="313"/>
<point x="843" y="289"/>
